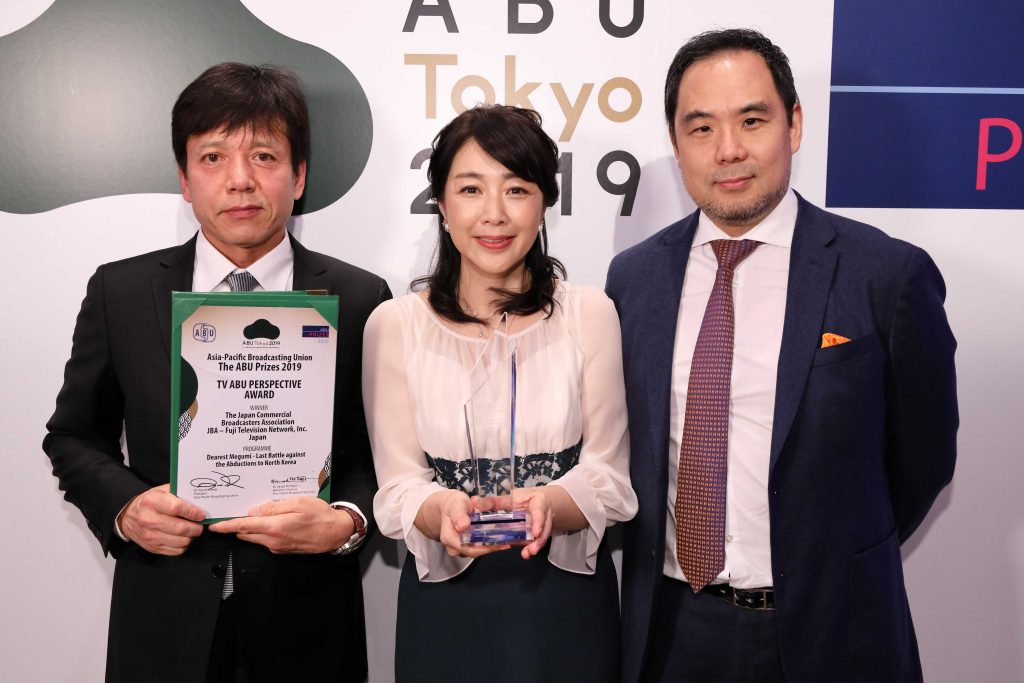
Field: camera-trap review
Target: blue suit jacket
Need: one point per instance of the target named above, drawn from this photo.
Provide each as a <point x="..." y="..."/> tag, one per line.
<point x="863" y="440"/>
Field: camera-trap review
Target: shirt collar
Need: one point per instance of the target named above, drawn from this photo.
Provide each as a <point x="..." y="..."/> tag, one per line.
<point x="273" y="270"/>
<point x="776" y="228"/>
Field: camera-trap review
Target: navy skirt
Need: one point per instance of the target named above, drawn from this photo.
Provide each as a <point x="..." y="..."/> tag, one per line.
<point x="511" y="620"/>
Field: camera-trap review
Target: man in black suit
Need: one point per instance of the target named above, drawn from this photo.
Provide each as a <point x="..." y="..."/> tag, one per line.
<point x="792" y="404"/>
<point x="275" y="596"/>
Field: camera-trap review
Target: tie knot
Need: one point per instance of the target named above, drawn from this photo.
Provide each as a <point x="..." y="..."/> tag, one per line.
<point x="242" y="281"/>
<point x="730" y="252"/>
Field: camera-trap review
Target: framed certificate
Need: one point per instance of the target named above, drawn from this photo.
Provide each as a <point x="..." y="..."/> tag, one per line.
<point x="252" y="397"/>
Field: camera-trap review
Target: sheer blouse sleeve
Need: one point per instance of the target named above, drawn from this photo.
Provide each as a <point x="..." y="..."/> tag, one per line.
<point x="405" y="479"/>
<point x="599" y="483"/>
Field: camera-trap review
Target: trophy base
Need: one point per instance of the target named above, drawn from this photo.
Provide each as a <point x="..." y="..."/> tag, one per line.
<point x="498" y="528"/>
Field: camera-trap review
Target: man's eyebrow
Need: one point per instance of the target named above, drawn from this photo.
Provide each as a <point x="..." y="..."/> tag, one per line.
<point x="696" y="114"/>
<point x="758" y="106"/>
<point x="263" y="142"/>
<point x="255" y="142"/>
<point x="763" y="107"/>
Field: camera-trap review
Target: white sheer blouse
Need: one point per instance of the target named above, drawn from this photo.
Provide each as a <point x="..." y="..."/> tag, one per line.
<point x="417" y="378"/>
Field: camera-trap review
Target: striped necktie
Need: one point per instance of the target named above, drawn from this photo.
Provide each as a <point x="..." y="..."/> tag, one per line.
<point x="241" y="281"/>
<point x="703" y="456"/>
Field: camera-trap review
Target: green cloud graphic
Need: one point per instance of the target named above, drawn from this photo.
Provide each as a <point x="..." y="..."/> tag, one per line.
<point x="88" y="89"/>
<point x="262" y="329"/>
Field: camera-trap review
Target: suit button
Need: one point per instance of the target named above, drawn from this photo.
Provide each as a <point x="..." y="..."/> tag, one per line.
<point x="218" y="570"/>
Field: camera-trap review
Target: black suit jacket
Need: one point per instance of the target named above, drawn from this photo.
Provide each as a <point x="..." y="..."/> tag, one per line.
<point x="863" y="440"/>
<point x="305" y="611"/>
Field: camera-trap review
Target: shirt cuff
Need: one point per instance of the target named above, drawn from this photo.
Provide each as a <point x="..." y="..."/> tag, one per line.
<point x="117" y="527"/>
<point x="576" y="551"/>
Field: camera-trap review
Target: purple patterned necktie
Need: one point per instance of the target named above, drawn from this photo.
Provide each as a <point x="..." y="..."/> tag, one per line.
<point x="700" y="497"/>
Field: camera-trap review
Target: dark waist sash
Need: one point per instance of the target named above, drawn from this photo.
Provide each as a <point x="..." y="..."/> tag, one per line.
<point x="532" y="470"/>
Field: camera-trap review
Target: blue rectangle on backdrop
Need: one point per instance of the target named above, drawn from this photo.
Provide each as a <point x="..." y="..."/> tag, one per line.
<point x="920" y="151"/>
<point x="912" y="81"/>
<point x="928" y="42"/>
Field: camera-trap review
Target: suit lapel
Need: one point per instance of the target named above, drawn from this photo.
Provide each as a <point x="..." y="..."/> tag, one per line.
<point x="175" y="275"/>
<point x="812" y="265"/>
<point x="667" y="271"/>
<point x="308" y="268"/>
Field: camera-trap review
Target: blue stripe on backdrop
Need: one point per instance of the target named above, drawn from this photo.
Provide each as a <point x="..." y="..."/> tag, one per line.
<point x="927" y="89"/>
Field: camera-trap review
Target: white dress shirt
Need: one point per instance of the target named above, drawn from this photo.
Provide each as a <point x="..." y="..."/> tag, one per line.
<point x="273" y="271"/>
<point x="759" y="299"/>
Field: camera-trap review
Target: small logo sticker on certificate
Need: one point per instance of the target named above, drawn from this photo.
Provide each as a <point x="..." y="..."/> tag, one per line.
<point x="316" y="331"/>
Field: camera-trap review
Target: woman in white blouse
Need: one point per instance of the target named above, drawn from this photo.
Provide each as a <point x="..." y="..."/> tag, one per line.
<point x="547" y="610"/>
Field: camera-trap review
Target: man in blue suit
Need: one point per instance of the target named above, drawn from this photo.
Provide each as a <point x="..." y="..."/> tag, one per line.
<point x="792" y="404"/>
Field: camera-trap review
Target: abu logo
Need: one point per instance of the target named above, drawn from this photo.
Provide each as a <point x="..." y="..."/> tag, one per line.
<point x="109" y="110"/>
<point x="203" y="332"/>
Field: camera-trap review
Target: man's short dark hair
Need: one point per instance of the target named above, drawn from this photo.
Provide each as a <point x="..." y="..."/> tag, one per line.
<point x="232" y="96"/>
<point x="728" y="40"/>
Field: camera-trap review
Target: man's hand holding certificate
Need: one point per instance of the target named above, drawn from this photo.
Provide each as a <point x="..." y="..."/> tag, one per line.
<point x="294" y="525"/>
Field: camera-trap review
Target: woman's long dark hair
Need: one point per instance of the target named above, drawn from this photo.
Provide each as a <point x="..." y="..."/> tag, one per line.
<point x="514" y="138"/>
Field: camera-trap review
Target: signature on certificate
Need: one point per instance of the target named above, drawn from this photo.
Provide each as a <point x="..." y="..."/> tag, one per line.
<point x="222" y="480"/>
<point x="300" y="477"/>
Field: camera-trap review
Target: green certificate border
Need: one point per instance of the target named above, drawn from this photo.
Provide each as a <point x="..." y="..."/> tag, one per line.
<point x="184" y="304"/>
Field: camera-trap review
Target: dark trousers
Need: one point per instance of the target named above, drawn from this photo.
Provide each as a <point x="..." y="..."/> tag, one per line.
<point x="227" y="665"/>
<point x="703" y="638"/>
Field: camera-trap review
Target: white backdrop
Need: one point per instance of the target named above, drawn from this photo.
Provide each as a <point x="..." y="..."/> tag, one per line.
<point x="965" y="566"/>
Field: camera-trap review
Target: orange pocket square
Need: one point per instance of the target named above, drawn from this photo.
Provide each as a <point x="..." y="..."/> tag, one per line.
<point x="830" y="339"/>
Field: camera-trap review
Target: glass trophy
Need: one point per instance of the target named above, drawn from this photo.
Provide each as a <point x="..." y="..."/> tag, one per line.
<point x="490" y="419"/>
